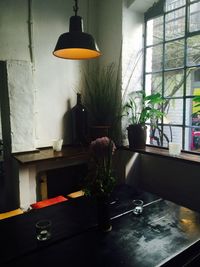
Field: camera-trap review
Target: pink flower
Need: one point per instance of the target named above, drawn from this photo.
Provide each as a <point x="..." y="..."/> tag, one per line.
<point x="102" y="147"/>
<point x="101" y="179"/>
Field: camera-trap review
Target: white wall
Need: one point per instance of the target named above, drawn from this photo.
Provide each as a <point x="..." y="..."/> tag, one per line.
<point x="132" y="56"/>
<point x="110" y="30"/>
<point x="132" y="64"/>
<point x="54" y="80"/>
<point x="172" y="179"/>
<point x="133" y="42"/>
<point x="21" y="102"/>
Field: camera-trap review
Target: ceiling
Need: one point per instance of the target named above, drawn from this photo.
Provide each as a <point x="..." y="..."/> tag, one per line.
<point x="140" y="5"/>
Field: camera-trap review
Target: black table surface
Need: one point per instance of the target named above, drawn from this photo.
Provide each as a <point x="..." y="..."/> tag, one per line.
<point x="161" y="232"/>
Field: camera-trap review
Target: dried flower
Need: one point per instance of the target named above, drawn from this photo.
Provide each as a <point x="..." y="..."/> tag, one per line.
<point x="100" y="180"/>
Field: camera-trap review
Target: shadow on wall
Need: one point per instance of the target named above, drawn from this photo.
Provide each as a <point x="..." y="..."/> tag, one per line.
<point x="66" y="180"/>
<point x="172" y="179"/>
<point x="67" y="122"/>
<point x="126" y="165"/>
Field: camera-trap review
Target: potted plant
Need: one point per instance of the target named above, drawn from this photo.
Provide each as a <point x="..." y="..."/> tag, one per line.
<point x="101" y="98"/>
<point x="101" y="180"/>
<point x="139" y="109"/>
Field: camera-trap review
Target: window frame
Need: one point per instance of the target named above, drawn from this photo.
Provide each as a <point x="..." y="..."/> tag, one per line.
<point x="156" y="11"/>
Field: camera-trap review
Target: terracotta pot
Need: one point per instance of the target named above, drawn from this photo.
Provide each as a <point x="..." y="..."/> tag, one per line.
<point x="137" y="136"/>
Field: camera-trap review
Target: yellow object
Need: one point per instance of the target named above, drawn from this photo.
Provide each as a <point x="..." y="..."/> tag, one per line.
<point x="76" y="194"/>
<point x="196" y="92"/>
<point x="76" y="53"/>
<point x="10" y="213"/>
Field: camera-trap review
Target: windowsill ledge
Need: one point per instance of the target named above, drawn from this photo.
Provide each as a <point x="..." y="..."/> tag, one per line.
<point x="164" y="152"/>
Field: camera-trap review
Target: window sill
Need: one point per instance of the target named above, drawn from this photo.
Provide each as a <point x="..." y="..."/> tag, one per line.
<point x="164" y="152"/>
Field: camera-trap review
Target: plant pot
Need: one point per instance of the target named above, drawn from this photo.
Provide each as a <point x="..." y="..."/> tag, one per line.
<point x="137" y="136"/>
<point x="99" y="131"/>
<point x="103" y="214"/>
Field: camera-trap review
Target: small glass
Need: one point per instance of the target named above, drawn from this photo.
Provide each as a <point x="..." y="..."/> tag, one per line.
<point x="43" y="230"/>
<point x="57" y="144"/>
<point x="138" y="206"/>
<point x="174" y="149"/>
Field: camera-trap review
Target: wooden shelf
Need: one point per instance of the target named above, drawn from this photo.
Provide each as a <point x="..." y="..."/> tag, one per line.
<point x="164" y="152"/>
<point x="81" y="153"/>
<point x="68" y="153"/>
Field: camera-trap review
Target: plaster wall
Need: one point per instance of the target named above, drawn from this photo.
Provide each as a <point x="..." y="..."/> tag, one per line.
<point x="21" y="101"/>
<point x="110" y="30"/>
<point x="29" y="30"/>
<point x="39" y="89"/>
<point x="128" y="169"/>
<point x="132" y="53"/>
<point x="174" y="180"/>
<point x="54" y="81"/>
<point x="132" y="56"/>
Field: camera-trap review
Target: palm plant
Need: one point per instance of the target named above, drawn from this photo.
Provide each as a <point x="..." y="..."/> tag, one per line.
<point x="140" y="108"/>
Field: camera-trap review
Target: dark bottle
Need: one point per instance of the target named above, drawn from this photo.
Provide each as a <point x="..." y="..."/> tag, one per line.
<point x="79" y="123"/>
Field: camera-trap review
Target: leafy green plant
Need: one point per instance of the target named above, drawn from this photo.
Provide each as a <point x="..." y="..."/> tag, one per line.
<point x="141" y="107"/>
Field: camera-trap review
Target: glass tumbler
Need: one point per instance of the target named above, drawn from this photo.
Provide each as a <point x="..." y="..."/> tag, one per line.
<point x="43" y="230"/>
<point x="138" y="206"/>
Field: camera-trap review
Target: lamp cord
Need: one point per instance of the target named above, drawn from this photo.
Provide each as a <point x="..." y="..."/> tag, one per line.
<point x="75" y="7"/>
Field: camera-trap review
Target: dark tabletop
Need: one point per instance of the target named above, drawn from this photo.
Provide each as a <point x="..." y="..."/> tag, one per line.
<point x="161" y="232"/>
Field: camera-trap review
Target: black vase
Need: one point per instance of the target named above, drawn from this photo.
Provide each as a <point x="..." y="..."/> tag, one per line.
<point x="79" y="123"/>
<point x="137" y="134"/>
<point x="103" y="214"/>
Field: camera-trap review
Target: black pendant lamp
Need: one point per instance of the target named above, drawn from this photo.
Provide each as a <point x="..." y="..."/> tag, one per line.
<point x="76" y="44"/>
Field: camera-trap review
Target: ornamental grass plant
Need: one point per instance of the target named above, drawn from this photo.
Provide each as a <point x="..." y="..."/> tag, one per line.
<point x="101" y="96"/>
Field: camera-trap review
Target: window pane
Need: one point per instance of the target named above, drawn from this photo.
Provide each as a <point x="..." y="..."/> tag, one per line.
<point x="174" y="110"/>
<point x="188" y="114"/>
<point x="193" y="81"/>
<point x="176" y="72"/>
<point x="192" y="111"/>
<point x="175" y="24"/>
<point x="192" y="139"/>
<point x="193" y="50"/>
<point x="188" y="139"/>
<point x="149" y="139"/>
<point x="174" y="81"/>
<point x="174" y="133"/>
<point x="197" y="75"/>
<point x="155" y="31"/>
<point x="174" y="54"/>
<point x="172" y="4"/>
<point x="153" y="83"/>
<point x="170" y="133"/>
<point x="154" y="58"/>
<point x="156" y="137"/>
<point x="194" y="119"/>
<point x="194" y="18"/>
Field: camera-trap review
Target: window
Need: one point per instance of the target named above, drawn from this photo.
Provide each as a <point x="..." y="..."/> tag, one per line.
<point x="172" y="68"/>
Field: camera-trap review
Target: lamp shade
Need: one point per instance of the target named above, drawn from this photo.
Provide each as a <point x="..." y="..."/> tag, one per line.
<point x="76" y="44"/>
